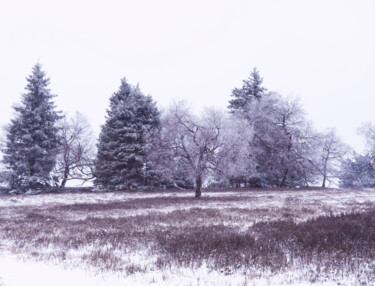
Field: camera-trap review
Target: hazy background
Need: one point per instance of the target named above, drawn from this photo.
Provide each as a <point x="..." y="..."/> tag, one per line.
<point x="321" y="51"/>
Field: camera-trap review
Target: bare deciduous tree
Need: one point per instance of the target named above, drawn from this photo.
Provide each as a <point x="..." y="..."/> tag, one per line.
<point x="194" y="142"/>
<point x="236" y="164"/>
<point x="367" y="131"/>
<point x="75" y="158"/>
<point x="282" y="143"/>
<point x="332" y="152"/>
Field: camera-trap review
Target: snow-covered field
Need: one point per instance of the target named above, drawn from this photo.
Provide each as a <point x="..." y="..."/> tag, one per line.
<point x="123" y="238"/>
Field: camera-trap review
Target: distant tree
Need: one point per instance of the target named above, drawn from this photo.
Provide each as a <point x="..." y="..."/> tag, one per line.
<point x="332" y="152"/>
<point x="367" y="131"/>
<point x="357" y="171"/>
<point x="251" y="90"/>
<point x="194" y="142"/>
<point x="124" y="143"/>
<point x="173" y="171"/>
<point x="283" y="142"/>
<point x="236" y="165"/>
<point x="32" y="136"/>
<point x="76" y="154"/>
<point x="4" y="173"/>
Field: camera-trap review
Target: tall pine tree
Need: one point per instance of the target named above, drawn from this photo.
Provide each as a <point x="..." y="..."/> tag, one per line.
<point x="32" y="137"/>
<point x="251" y="89"/>
<point x="124" y="142"/>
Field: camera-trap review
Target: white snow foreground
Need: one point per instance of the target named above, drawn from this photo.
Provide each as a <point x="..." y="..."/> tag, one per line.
<point x="17" y="272"/>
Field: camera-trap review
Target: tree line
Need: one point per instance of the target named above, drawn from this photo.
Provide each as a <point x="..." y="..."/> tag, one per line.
<point x="262" y="140"/>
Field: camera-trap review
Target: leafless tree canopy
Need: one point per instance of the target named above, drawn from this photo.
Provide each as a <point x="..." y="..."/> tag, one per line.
<point x="77" y="150"/>
<point x="195" y="142"/>
<point x="332" y="152"/>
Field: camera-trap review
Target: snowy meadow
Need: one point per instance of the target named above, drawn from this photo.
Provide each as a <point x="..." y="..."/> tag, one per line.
<point x="227" y="237"/>
<point x="187" y="143"/>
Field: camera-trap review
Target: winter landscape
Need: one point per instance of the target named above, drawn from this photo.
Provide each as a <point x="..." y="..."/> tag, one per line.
<point x="187" y="142"/>
<point x="266" y="216"/>
<point x="228" y="237"/>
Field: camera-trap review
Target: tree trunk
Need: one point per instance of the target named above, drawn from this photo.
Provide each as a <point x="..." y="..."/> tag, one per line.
<point x="65" y="177"/>
<point x="283" y="181"/>
<point x="324" y="182"/>
<point x="325" y="172"/>
<point x="198" y="186"/>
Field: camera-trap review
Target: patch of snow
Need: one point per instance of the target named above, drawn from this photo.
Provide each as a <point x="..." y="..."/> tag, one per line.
<point x="16" y="272"/>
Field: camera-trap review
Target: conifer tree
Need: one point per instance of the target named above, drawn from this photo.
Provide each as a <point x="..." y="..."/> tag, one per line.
<point x="32" y="138"/>
<point x="251" y="89"/>
<point x="125" y="140"/>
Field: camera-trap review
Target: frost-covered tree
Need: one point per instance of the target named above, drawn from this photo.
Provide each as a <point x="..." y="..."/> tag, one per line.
<point x="76" y="154"/>
<point x="331" y="153"/>
<point x="194" y="142"/>
<point x="251" y="90"/>
<point x="367" y="131"/>
<point x="32" y="136"/>
<point x="236" y="165"/>
<point x="282" y="143"/>
<point x="357" y="171"/>
<point x="4" y="173"/>
<point x="277" y="140"/>
<point x="173" y="170"/>
<point x="126" y="140"/>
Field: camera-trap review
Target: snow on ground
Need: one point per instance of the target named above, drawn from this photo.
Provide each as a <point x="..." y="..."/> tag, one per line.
<point x="15" y="272"/>
<point x="18" y="272"/>
<point x="72" y="198"/>
<point x="335" y="200"/>
<point x="330" y="196"/>
<point x="20" y="268"/>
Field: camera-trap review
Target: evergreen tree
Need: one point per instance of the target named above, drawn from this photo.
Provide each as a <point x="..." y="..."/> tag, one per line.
<point x="126" y="140"/>
<point x="32" y="138"/>
<point x="242" y="105"/>
<point x="251" y="89"/>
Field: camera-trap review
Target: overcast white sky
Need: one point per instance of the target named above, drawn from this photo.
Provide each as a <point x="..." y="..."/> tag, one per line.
<point x="321" y="51"/>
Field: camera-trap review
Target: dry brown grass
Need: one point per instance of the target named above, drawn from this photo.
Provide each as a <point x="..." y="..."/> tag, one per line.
<point x="263" y="229"/>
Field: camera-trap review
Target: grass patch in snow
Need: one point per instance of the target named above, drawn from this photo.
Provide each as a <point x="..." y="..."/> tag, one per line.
<point x="315" y="233"/>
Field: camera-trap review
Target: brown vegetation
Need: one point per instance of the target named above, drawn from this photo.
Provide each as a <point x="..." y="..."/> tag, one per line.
<point x="223" y="231"/>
